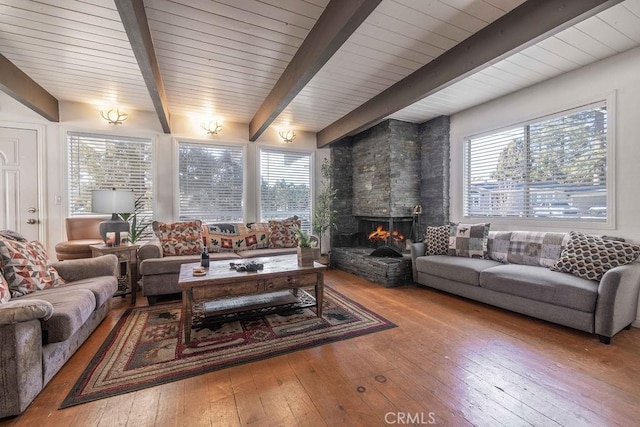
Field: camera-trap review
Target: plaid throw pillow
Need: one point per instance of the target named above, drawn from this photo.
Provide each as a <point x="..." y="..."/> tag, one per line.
<point x="590" y="257"/>
<point x="469" y="240"/>
<point x="498" y="246"/>
<point x="436" y="240"/>
<point x="535" y="248"/>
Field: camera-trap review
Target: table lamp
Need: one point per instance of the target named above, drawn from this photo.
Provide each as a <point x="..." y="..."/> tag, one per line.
<point x="112" y="202"/>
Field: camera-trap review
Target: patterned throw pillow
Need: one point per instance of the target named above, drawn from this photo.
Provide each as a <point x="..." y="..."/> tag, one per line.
<point x="535" y="248"/>
<point x="469" y="240"/>
<point x="27" y="267"/>
<point x="12" y="235"/>
<point x="282" y="234"/>
<point x="498" y="246"/>
<point x="590" y="256"/>
<point x="261" y="230"/>
<point x="180" y="238"/>
<point x="436" y="240"/>
<point x="223" y="237"/>
<point x="5" y="292"/>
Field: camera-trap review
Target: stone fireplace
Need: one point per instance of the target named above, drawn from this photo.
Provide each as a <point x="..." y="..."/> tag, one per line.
<point x="380" y="175"/>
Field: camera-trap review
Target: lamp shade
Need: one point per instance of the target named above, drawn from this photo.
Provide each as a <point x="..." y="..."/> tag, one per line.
<point x="112" y="201"/>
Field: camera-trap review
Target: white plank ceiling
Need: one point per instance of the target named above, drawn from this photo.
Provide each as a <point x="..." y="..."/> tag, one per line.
<point x="221" y="58"/>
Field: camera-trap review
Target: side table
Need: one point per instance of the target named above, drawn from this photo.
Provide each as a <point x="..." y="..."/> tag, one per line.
<point x="126" y="254"/>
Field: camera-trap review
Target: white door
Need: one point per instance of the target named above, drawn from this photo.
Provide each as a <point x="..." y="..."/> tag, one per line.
<point x="19" y="182"/>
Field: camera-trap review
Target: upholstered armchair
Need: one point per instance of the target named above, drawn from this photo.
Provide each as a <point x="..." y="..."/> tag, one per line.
<point x="81" y="233"/>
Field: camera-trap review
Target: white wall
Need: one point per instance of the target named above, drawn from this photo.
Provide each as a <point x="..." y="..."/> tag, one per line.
<point x="618" y="75"/>
<point x="86" y="118"/>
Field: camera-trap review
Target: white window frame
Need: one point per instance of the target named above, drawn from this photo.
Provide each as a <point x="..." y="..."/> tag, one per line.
<point x="150" y="214"/>
<point x="610" y="223"/>
<point x="176" y="173"/>
<point x="305" y="226"/>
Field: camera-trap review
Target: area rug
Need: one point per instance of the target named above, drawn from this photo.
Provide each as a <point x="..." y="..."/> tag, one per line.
<point x="146" y="347"/>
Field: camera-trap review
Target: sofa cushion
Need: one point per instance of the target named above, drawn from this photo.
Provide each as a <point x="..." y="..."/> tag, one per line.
<point x="542" y="284"/>
<point x="26" y="267"/>
<point x="180" y="238"/>
<point x="498" y="245"/>
<point x="254" y="253"/>
<point x="436" y="240"/>
<point x="590" y="256"/>
<point x="282" y="234"/>
<point x="465" y="270"/>
<point x="23" y="310"/>
<point x="102" y="287"/>
<point x="469" y="240"/>
<point x="535" y="248"/>
<point x="71" y="309"/>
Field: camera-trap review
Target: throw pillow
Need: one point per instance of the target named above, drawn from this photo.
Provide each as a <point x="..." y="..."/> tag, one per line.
<point x="27" y="267"/>
<point x="590" y="257"/>
<point x="436" y="240"/>
<point x="5" y="292"/>
<point x="281" y="233"/>
<point x="261" y="230"/>
<point x="535" y="248"/>
<point x="498" y="246"/>
<point x="12" y="235"/>
<point x="180" y="238"/>
<point x="469" y="240"/>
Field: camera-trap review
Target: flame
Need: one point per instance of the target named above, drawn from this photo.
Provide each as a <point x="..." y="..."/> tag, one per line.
<point x="381" y="234"/>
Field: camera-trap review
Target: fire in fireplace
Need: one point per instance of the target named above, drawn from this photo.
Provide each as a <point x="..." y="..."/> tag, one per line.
<point x="384" y="232"/>
<point x="385" y="236"/>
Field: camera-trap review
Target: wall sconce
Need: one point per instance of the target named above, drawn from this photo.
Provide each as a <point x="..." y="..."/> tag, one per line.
<point x="287" y="136"/>
<point x="212" y="127"/>
<point x="114" y="117"/>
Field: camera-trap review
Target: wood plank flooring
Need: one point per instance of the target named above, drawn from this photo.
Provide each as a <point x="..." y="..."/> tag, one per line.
<point x="450" y="361"/>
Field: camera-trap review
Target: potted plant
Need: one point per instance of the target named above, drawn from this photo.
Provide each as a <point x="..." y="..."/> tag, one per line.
<point x="324" y="216"/>
<point x="307" y="251"/>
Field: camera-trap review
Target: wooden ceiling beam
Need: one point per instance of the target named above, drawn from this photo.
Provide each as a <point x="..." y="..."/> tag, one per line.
<point x="15" y="83"/>
<point x="522" y="27"/>
<point x="134" y="19"/>
<point x="338" y="21"/>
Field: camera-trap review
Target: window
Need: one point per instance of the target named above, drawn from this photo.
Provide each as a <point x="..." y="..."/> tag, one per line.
<point x="210" y="181"/>
<point x="285" y="185"/>
<point x="553" y="167"/>
<point x="102" y="162"/>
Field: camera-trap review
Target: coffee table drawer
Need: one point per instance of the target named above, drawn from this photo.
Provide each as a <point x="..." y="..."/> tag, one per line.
<point x="288" y="282"/>
<point x="225" y="290"/>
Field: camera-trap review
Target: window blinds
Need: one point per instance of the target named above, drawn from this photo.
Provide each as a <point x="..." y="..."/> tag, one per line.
<point x="103" y="162"/>
<point x="554" y="167"/>
<point x="211" y="182"/>
<point x="285" y="185"/>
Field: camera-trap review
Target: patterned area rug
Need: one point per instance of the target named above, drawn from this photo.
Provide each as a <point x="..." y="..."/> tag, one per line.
<point x="145" y="348"/>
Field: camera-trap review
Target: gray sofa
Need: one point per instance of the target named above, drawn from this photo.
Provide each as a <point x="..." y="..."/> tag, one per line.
<point x="519" y="285"/>
<point x="40" y="331"/>
<point x="160" y="273"/>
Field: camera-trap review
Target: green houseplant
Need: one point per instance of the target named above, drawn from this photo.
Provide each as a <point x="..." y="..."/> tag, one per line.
<point x="324" y="217"/>
<point x="138" y="223"/>
<point x="307" y="251"/>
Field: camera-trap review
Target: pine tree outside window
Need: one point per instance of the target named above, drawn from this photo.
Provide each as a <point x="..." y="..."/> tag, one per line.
<point x="552" y="168"/>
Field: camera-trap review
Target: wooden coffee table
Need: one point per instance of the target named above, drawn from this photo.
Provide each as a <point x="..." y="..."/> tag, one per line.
<point x="221" y="281"/>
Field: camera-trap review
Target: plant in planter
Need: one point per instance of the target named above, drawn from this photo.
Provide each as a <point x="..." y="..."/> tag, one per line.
<point x="307" y="251"/>
<point x="324" y="217"/>
<point x="138" y="223"/>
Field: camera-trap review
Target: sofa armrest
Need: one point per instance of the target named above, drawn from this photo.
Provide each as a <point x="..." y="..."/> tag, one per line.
<point x="85" y="268"/>
<point x="617" y="302"/>
<point x="150" y="249"/>
<point x="417" y="249"/>
<point x="17" y="311"/>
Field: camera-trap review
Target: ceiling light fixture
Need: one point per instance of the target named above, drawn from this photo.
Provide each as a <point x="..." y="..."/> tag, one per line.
<point x="287" y="136"/>
<point x="114" y="117"/>
<point x="212" y="128"/>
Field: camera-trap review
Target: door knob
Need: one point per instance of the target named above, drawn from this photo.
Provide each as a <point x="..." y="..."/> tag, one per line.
<point x="31" y="210"/>
<point x="31" y="221"/>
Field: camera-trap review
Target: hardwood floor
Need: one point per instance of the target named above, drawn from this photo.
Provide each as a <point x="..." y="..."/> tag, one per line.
<point x="450" y="361"/>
